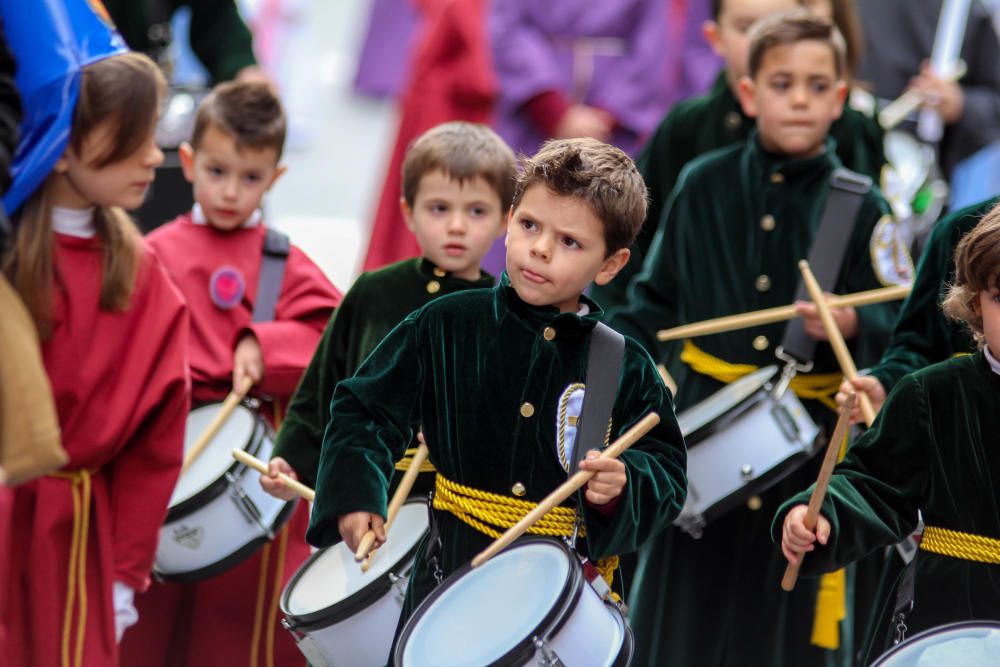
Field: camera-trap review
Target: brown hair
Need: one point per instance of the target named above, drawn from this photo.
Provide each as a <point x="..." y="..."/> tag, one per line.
<point x="601" y="175"/>
<point x="123" y="93"/>
<point x="792" y="27"/>
<point x="249" y="112"/>
<point x="977" y="269"/>
<point x="463" y="151"/>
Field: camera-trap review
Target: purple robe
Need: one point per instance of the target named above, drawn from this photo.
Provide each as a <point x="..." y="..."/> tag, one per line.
<point x="692" y="68"/>
<point x="384" y="59"/>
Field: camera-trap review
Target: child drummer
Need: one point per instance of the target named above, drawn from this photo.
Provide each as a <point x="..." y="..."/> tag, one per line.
<point x="486" y="372"/>
<point x="933" y="450"/>
<point x="733" y="232"/>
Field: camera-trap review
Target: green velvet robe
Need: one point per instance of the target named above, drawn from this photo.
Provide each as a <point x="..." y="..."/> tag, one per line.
<point x="932" y="448"/>
<point x="464" y="367"/>
<point x="376" y="303"/>
<point x="923" y="335"/>
<point x="706" y="123"/>
<point x="716" y="601"/>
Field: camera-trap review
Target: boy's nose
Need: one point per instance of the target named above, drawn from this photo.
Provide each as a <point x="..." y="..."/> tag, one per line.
<point x="541" y="249"/>
<point x="230" y="189"/>
<point x="456" y="223"/>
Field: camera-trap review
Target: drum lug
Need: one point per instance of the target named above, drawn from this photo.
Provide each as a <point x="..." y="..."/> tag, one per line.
<point x="547" y="657"/>
<point x="246" y="505"/>
<point x="693" y="525"/>
<point x="399" y="583"/>
<point x="791" y="368"/>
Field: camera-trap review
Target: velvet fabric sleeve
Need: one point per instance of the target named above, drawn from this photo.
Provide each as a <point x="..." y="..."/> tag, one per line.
<point x="220" y="38"/>
<point x="875" y="492"/>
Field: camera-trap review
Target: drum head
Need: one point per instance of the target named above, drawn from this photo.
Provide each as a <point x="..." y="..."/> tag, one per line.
<point x="972" y="644"/>
<point x="331" y="576"/>
<point x="733" y="394"/>
<point x="479" y="616"/>
<point x="217" y="458"/>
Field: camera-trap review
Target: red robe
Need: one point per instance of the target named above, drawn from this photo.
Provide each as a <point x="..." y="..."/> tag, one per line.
<point x="121" y="390"/>
<point x="233" y="618"/>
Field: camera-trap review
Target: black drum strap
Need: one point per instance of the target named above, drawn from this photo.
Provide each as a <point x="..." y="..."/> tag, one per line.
<point x="604" y="363"/>
<point x="272" y="273"/>
<point x="826" y="257"/>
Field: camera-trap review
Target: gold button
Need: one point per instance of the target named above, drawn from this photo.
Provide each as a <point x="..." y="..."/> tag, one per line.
<point x="763" y="283"/>
<point x="433" y="287"/>
<point x="527" y="409"/>
<point x="777" y="178"/>
<point x="518" y="489"/>
<point x="440" y="273"/>
<point x="733" y="120"/>
<point x="549" y="333"/>
<point x="754" y="503"/>
<point x="768" y="223"/>
<point x="760" y="343"/>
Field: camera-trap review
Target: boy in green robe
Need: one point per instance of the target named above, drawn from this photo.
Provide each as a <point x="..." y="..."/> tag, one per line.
<point x="932" y="449"/>
<point x="488" y="373"/>
<point x="716" y="120"/>
<point x="458" y="182"/>
<point x="736" y="226"/>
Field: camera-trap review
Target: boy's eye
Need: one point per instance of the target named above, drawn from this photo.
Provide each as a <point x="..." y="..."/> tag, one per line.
<point x="478" y="211"/>
<point x="780" y="84"/>
<point x="570" y="242"/>
<point x="438" y="208"/>
<point x="252" y="177"/>
<point x="528" y="225"/>
<point x="216" y="171"/>
<point x="820" y="86"/>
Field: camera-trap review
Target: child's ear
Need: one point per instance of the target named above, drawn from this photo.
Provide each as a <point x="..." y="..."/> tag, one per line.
<point x="504" y="222"/>
<point x="747" y="92"/>
<point x="407" y="212"/>
<point x="841" y="98"/>
<point x="612" y="265"/>
<point x="186" y="153"/>
<point x="280" y="171"/>
<point x="710" y="31"/>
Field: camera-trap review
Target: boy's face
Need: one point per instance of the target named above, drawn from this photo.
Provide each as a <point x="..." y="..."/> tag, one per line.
<point x="795" y="97"/>
<point x="555" y="249"/>
<point x="729" y="37"/>
<point x="228" y="182"/>
<point x="989" y="308"/>
<point x="455" y="223"/>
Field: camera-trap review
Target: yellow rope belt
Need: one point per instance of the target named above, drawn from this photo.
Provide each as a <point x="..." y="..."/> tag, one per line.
<point x="966" y="546"/>
<point x="821" y="387"/>
<point x="492" y="513"/>
<point x="76" y="588"/>
<point x="404" y="463"/>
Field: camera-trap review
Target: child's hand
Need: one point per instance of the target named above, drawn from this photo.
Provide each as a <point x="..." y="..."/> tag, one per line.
<point x="274" y="486"/>
<point x="862" y="384"/>
<point x="609" y="481"/>
<point x="248" y="361"/>
<point x="796" y="539"/>
<point x="846" y="319"/>
<point x="584" y="121"/>
<point x="353" y="527"/>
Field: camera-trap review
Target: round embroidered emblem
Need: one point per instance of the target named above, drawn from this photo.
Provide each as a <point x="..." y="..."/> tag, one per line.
<point x="227" y="287"/>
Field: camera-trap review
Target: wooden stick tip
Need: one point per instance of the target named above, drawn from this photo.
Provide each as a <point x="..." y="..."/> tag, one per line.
<point x="803" y="265"/>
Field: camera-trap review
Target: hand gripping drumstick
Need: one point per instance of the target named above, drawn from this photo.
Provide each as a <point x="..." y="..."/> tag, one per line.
<point x="899" y="109"/>
<point x="778" y="314"/>
<point x="819" y="491"/>
<point x="566" y="489"/>
<point x="228" y="406"/>
<point x="836" y="338"/>
<point x="251" y="461"/>
<point x="398" y="498"/>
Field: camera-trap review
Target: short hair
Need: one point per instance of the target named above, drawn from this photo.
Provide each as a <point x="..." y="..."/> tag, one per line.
<point x="463" y="151"/>
<point x="249" y="112"/>
<point x="792" y="27"/>
<point x="601" y="175"/>
<point x="977" y="269"/>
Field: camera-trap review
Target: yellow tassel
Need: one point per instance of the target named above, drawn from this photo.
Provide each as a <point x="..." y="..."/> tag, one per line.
<point x="831" y="609"/>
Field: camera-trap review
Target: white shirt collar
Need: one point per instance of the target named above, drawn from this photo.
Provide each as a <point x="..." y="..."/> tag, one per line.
<point x="994" y="364"/>
<point x="198" y="217"/>
<point x="584" y="310"/>
<point x="78" y="222"/>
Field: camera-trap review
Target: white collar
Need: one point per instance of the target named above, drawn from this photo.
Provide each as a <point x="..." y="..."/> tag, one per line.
<point x="198" y="217"/>
<point x="584" y="310"/>
<point x="994" y="364"/>
<point x="77" y="222"/>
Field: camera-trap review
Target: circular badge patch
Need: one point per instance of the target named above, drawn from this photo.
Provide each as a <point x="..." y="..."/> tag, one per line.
<point x="227" y="287"/>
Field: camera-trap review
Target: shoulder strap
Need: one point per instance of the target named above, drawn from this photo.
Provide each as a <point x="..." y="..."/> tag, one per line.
<point x="604" y="364"/>
<point x="272" y="273"/>
<point x="847" y="192"/>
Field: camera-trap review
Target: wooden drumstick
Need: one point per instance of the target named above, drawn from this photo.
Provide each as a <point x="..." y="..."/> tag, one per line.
<point x="819" y="491"/>
<point x="251" y="461"/>
<point x="566" y="489"/>
<point x="847" y="366"/>
<point x="778" y="314"/>
<point x="897" y="111"/>
<point x="398" y="498"/>
<point x="228" y="406"/>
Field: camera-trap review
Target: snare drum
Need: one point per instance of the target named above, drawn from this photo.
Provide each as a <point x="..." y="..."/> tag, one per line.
<point x="967" y="644"/>
<point x="342" y="616"/>
<point x="741" y="440"/>
<point x="219" y="515"/>
<point x="528" y="604"/>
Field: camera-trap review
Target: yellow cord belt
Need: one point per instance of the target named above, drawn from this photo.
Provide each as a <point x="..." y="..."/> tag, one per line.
<point x="493" y="513"/>
<point x="404" y="463"/>
<point x="76" y="588"/>
<point x="966" y="546"/>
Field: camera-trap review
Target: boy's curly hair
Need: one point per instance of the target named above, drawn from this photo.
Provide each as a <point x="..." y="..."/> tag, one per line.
<point x="977" y="269"/>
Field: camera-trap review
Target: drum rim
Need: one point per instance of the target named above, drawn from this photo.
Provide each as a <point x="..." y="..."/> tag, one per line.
<point x="734" y="412"/>
<point x="351" y="605"/>
<point x="233" y="559"/>
<point x="959" y="625"/>
<point x="262" y="430"/>
<point x="551" y="623"/>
